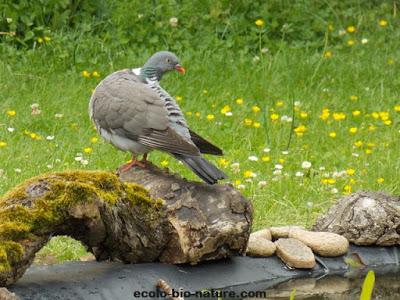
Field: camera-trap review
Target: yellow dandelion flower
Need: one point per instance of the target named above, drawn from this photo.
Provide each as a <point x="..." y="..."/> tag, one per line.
<point x="351" y="29"/>
<point x="223" y="162"/>
<point x="332" y="134"/>
<point x="358" y="144"/>
<point x="178" y="98"/>
<point x="248" y="122"/>
<point x="303" y="115"/>
<point x="368" y="151"/>
<point x="328" y="54"/>
<point x="47" y="39"/>
<point x="281" y="161"/>
<point x="259" y="22"/>
<point x="380" y="180"/>
<point x="94" y="139"/>
<point x="353" y="130"/>
<point x="238" y="181"/>
<point x="371" y="128"/>
<point x="225" y="109"/>
<point x="300" y="130"/>
<point x="255" y="109"/>
<point x="188" y="113"/>
<point x="11" y="113"/>
<point x="384" y="115"/>
<point x="164" y="163"/>
<point x="387" y="122"/>
<point x="353" y="98"/>
<point x="390" y="61"/>
<point x="40" y="40"/>
<point x="239" y="101"/>
<point x="197" y="114"/>
<point x="256" y="124"/>
<point x="96" y="74"/>
<point x="350" y="42"/>
<point x="325" y="114"/>
<point x="397" y="107"/>
<point x="248" y="174"/>
<point x="274" y="117"/>
<point x="339" y="116"/>
<point x="279" y="104"/>
<point x="85" y="73"/>
<point x="352" y="181"/>
<point x="356" y="113"/>
<point x="350" y="171"/>
<point x="3" y="144"/>
<point x="265" y="158"/>
<point x="347" y="189"/>
<point x="331" y="181"/>
<point x="210" y="117"/>
<point x="375" y="115"/>
<point x="205" y="92"/>
<point x="383" y="23"/>
<point x="88" y="150"/>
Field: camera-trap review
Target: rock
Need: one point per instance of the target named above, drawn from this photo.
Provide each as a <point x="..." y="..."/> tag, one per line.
<point x="364" y="218"/>
<point x="322" y="243"/>
<point x="260" y="247"/>
<point x="263" y="233"/>
<point x="294" y="253"/>
<point x="7" y="295"/>
<point x="282" y="231"/>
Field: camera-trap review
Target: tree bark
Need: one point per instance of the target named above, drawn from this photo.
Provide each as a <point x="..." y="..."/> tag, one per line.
<point x="364" y="218"/>
<point x="147" y="215"/>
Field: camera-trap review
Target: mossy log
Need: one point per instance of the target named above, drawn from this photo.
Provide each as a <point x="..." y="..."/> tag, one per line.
<point x="147" y="215"/>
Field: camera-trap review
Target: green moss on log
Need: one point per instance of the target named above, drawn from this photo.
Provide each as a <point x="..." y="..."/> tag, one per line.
<point x="39" y="205"/>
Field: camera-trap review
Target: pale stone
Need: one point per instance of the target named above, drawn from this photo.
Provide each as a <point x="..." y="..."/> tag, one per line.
<point x="260" y="247"/>
<point x="7" y="295"/>
<point x="263" y="233"/>
<point x="294" y="253"/>
<point x="282" y="231"/>
<point x="322" y="243"/>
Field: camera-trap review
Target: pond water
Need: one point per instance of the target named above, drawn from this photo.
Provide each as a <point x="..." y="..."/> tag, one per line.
<point x="336" y="288"/>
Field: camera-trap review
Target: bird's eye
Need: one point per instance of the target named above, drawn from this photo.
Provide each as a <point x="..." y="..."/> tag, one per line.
<point x="168" y="60"/>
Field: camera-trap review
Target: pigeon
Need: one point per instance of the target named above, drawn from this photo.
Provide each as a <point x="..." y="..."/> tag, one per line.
<point x="134" y="113"/>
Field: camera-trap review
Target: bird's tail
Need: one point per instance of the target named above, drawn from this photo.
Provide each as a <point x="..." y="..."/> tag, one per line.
<point x="202" y="168"/>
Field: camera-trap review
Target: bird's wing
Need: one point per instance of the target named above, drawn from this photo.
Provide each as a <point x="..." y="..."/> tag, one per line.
<point x="123" y="105"/>
<point x="204" y="146"/>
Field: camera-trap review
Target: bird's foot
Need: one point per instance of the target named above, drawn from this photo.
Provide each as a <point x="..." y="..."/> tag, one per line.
<point x="126" y="167"/>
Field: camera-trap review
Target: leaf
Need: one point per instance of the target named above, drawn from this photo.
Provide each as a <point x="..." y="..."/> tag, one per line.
<point x="368" y="286"/>
<point x="292" y="294"/>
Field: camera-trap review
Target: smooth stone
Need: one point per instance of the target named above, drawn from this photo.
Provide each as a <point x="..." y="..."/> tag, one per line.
<point x="7" y="295"/>
<point x="260" y="247"/>
<point x="294" y="253"/>
<point x="282" y="231"/>
<point x="322" y="243"/>
<point x="263" y="233"/>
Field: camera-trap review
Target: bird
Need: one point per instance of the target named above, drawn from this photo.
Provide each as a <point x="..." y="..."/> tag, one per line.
<point x="134" y="113"/>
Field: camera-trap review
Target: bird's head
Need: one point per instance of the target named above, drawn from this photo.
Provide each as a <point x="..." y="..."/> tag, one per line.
<point x="160" y="63"/>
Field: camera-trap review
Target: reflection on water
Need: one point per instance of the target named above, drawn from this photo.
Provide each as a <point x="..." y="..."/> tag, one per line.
<point x="336" y="288"/>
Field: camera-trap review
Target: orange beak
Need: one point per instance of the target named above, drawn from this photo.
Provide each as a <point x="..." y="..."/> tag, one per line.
<point x="180" y="69"/>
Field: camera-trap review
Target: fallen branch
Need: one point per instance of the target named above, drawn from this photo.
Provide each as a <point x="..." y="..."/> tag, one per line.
<point x="160" y="217"/>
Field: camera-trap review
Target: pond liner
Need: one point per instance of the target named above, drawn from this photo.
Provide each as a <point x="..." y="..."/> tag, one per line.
<point x="117" y="281"/>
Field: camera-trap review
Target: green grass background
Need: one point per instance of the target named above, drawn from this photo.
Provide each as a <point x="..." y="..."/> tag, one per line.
<point x="216" y="78"/>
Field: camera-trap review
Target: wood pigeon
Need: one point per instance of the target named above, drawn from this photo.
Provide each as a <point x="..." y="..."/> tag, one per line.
<point x="134" y="113"/>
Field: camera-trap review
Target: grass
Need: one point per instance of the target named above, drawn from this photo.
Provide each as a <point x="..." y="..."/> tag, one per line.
<point x="345" y="108"/>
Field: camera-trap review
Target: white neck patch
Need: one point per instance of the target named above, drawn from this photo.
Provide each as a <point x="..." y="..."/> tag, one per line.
<point x="136" y="71"/>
